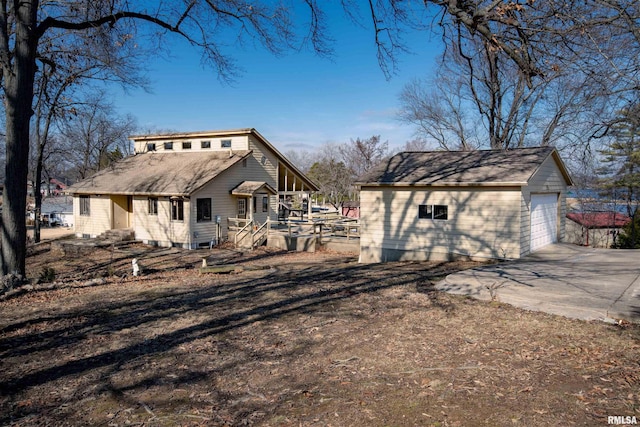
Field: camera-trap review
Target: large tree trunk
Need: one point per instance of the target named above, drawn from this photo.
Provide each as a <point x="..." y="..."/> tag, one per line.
<point x="18" y="80"/>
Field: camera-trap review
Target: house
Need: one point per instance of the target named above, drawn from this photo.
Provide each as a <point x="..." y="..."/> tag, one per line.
<point x="351" y="209"/>
<point x="57" y="211"/>
<point x="188" y="189"/>
<point x="466" y="204"/>
<point x="595" y="229"/>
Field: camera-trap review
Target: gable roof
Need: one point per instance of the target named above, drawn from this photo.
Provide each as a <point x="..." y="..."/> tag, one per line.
<point x="249" y="188"/>
<point x="463" y="168"/>
<point x="229" y="133"/>
<point x="161" y="174"/>
<point x="599" y="219"/>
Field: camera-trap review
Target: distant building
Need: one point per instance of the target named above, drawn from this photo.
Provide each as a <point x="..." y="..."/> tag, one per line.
<point x="351" y="209"/>
<point x="595" y="229"/>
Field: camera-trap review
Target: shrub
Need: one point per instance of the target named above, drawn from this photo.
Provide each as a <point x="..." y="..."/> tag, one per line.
<point x="629" y="237"/>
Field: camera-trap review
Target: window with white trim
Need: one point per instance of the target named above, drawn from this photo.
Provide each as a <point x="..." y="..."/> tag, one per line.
<point x="85" y="205"/>
<point x="153" y="206"/>
<point x="435" y="212"/>
<point x="177" y="210"/>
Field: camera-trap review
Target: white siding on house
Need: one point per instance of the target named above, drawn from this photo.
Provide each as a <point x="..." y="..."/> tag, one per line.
<point x="482" y="223"/>
<point x="99" y="220"/>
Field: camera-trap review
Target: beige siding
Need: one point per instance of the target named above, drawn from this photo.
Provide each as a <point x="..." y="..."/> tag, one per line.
<point x="482" y="223"/>
<point x="547" y="179"/>
<point x="224" y="204"/>
<point x="159" y="229"/>
<point x="100" y="219"/>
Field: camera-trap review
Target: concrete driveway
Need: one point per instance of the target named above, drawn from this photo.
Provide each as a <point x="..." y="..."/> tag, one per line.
<point x="569" y="280"/>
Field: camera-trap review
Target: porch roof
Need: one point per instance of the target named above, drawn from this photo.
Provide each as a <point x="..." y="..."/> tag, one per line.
<point x="249" y="188"/>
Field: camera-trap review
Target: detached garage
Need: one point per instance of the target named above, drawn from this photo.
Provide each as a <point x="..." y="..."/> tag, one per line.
<point x="444" y="205"/>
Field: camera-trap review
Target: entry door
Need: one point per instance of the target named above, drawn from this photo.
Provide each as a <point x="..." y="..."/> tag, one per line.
<point x="544" y="220"/>
<point x="242" y="208"/>
<point x="121" y="210"/>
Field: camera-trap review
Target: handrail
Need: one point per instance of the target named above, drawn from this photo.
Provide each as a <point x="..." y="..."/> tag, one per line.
<point x="249" y="224"/>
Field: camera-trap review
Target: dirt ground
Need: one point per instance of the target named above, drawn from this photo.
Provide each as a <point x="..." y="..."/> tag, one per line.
<point x="293" y="339"/>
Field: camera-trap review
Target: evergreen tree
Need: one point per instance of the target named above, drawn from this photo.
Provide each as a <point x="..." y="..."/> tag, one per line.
<point x="622" y="165"/>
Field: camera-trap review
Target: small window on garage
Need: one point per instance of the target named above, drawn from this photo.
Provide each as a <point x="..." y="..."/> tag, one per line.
<point x="225" y="143"/>
<point x="440" y="212"/>
<point x="435" y="212"/>
<point x="425" y="211"/>
<point x="186" y="145"/>
<point x="168" y="145"/>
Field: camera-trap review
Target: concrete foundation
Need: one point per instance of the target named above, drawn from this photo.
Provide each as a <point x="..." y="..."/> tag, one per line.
<point x="309" y="243"/>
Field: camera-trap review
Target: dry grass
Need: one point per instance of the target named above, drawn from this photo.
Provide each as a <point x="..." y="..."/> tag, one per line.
<point x="295" y="339"/>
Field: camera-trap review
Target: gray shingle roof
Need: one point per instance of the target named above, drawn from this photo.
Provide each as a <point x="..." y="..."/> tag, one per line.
<point x="163" y="174"/>
<point x="485" y="167"/>
<point x="248" y="188"/>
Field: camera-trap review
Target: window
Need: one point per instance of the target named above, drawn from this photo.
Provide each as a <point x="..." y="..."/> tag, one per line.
<point x="440" y="212"/>
<point x="151" y="146"/>
<point x="168" y="145"/>
<point x="436" y="212"/>
<point x="85" y="206"/>
<point x="186" y="145"/>
<point x="265" y="204"/>
<point x="425" y="211"/>
<point x="205" y="144"/>
<point x="153" y="206"/>
<point x="203" y="210"/>
<point x="177" y="210"/>
<point x="225" y="143"/>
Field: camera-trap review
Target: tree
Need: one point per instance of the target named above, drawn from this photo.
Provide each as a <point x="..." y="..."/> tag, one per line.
<point x="96" y="136"/>
<point x="67" y="68"/>
<point x="479" y="98"/>
<point x="334" y="179"/>
<point x="360" y="155"/>
<point x="26" y="25"/>
<point x="621" y="158"/>
<point x="527" y="32"/>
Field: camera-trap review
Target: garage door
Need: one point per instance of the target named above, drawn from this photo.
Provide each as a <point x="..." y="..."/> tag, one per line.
<point x="544" y="220"/>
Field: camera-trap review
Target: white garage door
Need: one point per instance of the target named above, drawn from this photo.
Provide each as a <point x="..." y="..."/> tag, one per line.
<point x="544" y="220"/>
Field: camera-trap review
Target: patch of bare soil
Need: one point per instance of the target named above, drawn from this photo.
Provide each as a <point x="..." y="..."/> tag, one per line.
<point x="294" y="339"/>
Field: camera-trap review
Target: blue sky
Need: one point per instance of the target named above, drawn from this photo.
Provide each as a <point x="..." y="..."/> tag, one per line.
<point x="297" y="101"/>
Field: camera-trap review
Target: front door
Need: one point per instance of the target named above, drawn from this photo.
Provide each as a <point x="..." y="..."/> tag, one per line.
<point x="242" y="208"/>
<point x="121" y="211"/>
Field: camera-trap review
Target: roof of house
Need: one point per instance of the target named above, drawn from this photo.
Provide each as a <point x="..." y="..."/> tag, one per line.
<point x="162" y="174"/>
<point x="599" y="219"/>
<point x="456" y="168"/>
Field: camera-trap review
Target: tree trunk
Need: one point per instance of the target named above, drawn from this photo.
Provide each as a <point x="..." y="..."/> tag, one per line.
<point x="18" y="80"/>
